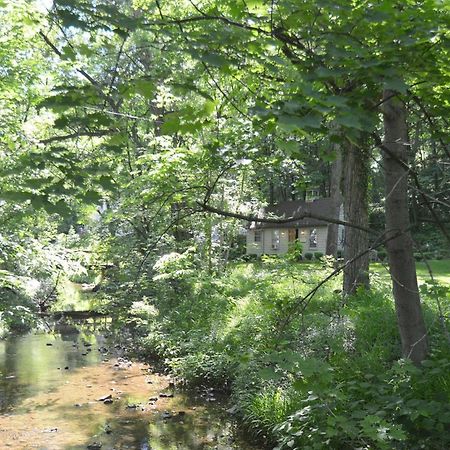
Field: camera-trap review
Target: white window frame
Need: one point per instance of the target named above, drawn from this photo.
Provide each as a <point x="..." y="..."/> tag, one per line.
<point x="275" y="239"/>
<point x="257" y="237"/>
<point x="312" y="238"/>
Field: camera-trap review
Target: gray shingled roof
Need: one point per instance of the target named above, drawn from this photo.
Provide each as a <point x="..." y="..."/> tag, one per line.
<point x="321" y="206"/>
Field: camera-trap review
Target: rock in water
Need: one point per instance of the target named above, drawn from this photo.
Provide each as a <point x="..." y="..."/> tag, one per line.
<point x="94" y="446"/>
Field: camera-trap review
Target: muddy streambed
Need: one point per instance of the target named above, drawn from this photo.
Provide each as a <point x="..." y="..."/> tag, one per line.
<point x="69" y="392"/>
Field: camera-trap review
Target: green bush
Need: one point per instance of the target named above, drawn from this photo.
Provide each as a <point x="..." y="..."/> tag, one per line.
<point x="381" y="255"/>
<point x="340" y="254"/>
<point x="383" y="411"/>
<point x="308" y="256"/>
<point x="295" y="251"/>
<point x="318" y="255"/>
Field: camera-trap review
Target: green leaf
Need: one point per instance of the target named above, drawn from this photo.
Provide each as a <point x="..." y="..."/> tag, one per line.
<point x="16" y="196"/>
<point x="144" y="87"/>
<point x="209" y="107"/>
<point x="91" y="197"/>
<point x="68" y="53"/>
<point x="171" y="124"/>
<point x="60" y="208"/>
<point x="106" y="183"/>
<point x="290" y="122"/>
<point x="215" y="59"/>
<point x="396" y="84"/>
<point x="349" y="121"/>
<point x="269" y="373"/>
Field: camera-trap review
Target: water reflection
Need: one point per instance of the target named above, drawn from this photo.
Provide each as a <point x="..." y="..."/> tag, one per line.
<point x="49" y="390"/>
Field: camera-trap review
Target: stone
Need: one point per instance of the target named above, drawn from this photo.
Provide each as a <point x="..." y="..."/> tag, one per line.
<point x="94" y="446"/>
<point x="166" y="415"/>
<point x="104" y="397"/>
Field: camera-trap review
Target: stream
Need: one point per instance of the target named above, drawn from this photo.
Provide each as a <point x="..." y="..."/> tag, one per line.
<point x="68" y="390"/>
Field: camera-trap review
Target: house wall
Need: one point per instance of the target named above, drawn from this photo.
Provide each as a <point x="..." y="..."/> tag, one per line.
<point x="265" y="245"/>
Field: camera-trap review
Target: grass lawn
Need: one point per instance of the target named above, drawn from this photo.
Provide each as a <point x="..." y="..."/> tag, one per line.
<point x="378" y="271"/>
<point x="439" y="268"/>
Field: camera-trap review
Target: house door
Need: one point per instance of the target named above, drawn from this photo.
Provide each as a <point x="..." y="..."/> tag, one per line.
<point x="291" y="235"/>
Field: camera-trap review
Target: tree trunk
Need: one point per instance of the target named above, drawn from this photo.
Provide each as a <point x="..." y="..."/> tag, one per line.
<point x="335" y="194"/>
<point x="400" y="249"/>
<point x="354" y="184"/>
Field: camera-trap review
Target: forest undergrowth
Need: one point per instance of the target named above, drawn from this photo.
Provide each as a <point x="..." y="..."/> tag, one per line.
<point x="301" y="374"/>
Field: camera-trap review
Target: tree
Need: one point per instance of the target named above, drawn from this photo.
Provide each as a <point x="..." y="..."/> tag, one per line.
<point x="399" y="245"/>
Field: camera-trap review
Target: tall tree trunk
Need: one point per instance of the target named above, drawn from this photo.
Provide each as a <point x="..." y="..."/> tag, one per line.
<point x="336" y="197"/>
<point x="354" y="184"/>
<point x="400" y="249"/>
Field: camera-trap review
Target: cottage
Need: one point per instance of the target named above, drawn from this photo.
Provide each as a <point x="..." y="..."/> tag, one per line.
<point x="275" y="239"/>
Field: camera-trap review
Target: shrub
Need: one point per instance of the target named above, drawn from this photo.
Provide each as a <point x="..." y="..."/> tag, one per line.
<point x="418" y="256"/>
<point x="308" y="256"/>
<point x="401" y="408"/>
<point x="295" y="251"/>
<point x="382" y="255"/>
<point x="318" y="255"/>
<point x="249" y="258"/>
<point x="340" y="254"/>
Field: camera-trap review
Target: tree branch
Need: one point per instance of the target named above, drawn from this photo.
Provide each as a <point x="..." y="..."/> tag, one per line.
<point x="65" y="137"/>
<point x="302" y="215"/>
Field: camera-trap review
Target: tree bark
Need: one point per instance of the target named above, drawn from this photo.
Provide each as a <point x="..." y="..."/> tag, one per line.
<point x="354" y="185"/>
<point x="402" y="266"/>
<point x="335" y="194"/>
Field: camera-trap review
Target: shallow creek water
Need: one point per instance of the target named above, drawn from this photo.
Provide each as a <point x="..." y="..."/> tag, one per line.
<point x="50" y="391"/>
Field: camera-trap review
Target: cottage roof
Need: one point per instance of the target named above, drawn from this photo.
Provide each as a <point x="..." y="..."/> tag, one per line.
<point x="322" y="207"/>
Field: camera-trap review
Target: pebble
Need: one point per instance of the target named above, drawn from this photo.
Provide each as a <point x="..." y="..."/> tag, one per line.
<point x="94" y="446"/>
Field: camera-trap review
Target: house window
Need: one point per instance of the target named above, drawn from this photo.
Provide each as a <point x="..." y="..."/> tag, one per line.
<point x="312" y="194"/>
<point x="258" y="235"/>
<point x="275" y="239"/>
<point x="313" y="238"/>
